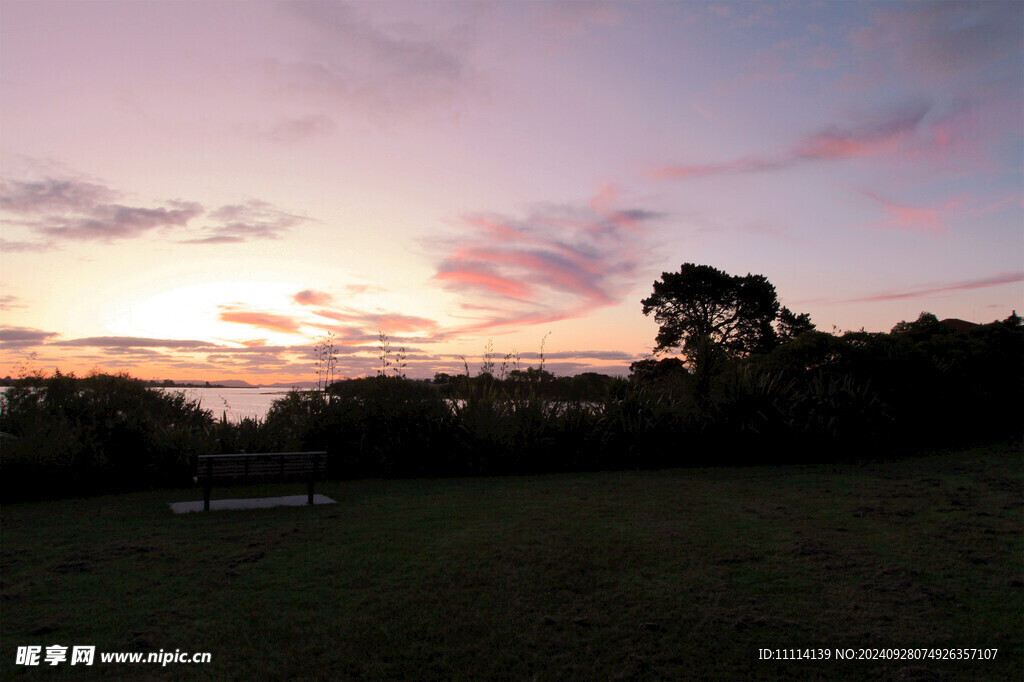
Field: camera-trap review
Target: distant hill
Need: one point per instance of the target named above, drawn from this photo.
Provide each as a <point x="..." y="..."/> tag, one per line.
<point x="192" y="383"/>
<point x="237" y="383"/>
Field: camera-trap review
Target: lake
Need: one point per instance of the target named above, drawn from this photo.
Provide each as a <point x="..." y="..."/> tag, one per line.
<point x="239" y="403"/>
<point x="236" y="403"/>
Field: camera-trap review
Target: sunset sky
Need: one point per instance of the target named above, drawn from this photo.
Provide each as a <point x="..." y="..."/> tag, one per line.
<point x="199" y="190"/>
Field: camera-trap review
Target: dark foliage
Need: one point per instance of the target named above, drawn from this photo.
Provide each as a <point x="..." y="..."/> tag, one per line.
<point x="790" y="326"/>
<point x="924" y="384"/>
<point x="817" y="397"/>
<point x="65" y="435"/>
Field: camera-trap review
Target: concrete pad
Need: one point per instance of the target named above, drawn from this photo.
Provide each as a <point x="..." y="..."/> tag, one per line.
<point x="250" y="503"/>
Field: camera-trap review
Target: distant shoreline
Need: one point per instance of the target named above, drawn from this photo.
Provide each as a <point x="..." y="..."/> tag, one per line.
<point x="175" y="384"/>
<point x="7" y="382"/>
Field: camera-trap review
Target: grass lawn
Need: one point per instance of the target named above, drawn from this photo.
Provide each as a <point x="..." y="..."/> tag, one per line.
<point x="681" y="574"/>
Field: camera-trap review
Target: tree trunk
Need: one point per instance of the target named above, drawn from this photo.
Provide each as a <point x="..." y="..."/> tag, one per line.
<point x="706" y="362"/>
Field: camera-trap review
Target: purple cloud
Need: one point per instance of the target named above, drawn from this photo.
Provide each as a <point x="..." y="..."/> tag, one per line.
<point x="24" y="247"/>
<point x="52" y="196"/>
<point x="883" y="135"/>
<point x="347" y="53"/>
<point x="115" y="342"/>
<point x="936" y="40"/>
<point x="8" y="302"/>
<point x="253" y="220"/>
<point x="18" y="337"/>
<point x="312" y="297"/>
<point x="83" y="211"/>
<point x="72" y="210"/>
<point x="584" y="355"/>
<point x="299" y="129"/>
<point x="110" y="222"/>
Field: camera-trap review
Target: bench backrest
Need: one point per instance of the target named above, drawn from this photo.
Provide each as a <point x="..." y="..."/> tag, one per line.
<point x="264" y="465"/>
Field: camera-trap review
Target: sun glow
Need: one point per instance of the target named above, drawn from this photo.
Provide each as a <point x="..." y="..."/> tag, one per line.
<point x="219" y="312"/>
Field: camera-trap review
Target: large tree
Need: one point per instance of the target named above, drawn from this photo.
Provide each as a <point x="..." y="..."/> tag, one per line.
<point x="710" y="314"/>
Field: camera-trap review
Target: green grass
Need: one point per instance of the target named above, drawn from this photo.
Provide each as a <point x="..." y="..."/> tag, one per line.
<point x="680" y="574"/>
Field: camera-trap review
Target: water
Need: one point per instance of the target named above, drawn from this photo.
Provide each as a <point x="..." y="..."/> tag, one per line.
<point x="239" y="403"/>
<point x="236" y="403"/>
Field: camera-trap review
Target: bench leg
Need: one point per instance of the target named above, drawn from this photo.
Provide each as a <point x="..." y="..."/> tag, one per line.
<point x="208" y="485"/>
<point x="312" y="477"/>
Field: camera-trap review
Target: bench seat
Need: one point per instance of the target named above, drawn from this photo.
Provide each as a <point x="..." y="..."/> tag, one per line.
<point x="260" y="466"/>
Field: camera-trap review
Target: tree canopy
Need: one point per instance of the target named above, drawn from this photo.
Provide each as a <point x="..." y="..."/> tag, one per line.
<point x="790" y="325"/>
<point x="711" y="315"/>
<point x="703" y="305"/>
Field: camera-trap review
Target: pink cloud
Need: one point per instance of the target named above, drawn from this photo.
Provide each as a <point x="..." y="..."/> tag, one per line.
<point x="457" y="275"/>
<point x="928" y="290"/>
<point x="603" y="203"/>
<point x="402" y="323"/>
<point x="560" y="261"/>
<point x="561" y="269"/>
<point x="919" y="218"/>
<point x="736" y="166"/>
<point x="835" y="147"/>
<point x="277" y="323"/>
<point x="499" y="321"/>
<point x="495" y="226"/>
<point x="369" y="323"/>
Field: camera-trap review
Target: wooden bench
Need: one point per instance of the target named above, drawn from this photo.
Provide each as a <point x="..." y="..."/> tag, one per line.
<point x="260" y="466"/>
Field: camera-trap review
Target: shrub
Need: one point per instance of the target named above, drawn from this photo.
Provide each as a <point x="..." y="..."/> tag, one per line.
<point x="76" y="436"/>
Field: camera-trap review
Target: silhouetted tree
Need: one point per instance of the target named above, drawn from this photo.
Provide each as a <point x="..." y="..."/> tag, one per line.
<point x="711" y="315"/>
<point x="790" y="325"/>
<point x="926" y="324"/>
<point x="531" y="375"/>
<point x="649" y="370"/>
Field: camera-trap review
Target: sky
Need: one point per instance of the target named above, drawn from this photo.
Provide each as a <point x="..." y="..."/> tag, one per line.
<point x="202" y="190"/>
